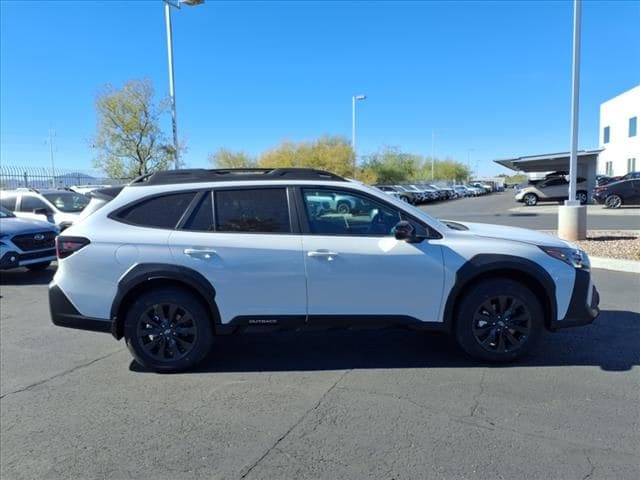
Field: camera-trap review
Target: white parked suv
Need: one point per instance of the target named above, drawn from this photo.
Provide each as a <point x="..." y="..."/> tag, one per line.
<point x="178" y="258"/>
<point x="58" y="206"/>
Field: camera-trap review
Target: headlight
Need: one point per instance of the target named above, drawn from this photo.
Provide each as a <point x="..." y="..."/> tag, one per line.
<point x="571" y="256"/>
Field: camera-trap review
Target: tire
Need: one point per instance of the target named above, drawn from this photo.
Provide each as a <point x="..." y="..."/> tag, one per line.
<point x="530" y="199"/>
<point x="184" y="334"/>
<point x="613" y="201"/>
<point x="405" y="199"/>
<point x="343" y="208"/>
<point x="582" y="196"/>
<point x="500" y="337"/>
<point x="38" y="267"/>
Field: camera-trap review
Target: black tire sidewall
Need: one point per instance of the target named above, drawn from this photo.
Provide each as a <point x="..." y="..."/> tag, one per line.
<point x="472" y="300"/>
<point x="185" y="300"/>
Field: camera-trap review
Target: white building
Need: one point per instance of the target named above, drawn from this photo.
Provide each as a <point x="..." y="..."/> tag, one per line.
<point x="619" y="134"/>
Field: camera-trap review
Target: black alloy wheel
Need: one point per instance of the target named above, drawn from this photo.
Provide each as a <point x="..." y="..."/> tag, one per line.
<point x="168" y="330"/>
<point x="502" y="324"/>
<point x="498" y="320"/>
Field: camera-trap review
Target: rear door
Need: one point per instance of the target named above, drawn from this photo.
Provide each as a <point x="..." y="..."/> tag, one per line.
<point x="356" y="267"/>
<point x="246" y="242"/>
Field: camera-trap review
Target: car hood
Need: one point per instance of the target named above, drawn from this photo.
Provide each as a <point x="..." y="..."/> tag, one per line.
<point x="511" y="233"/>
<point x="15" y="225"/>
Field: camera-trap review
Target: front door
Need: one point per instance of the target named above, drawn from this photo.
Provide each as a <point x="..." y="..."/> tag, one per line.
<point x="356" y="267"/>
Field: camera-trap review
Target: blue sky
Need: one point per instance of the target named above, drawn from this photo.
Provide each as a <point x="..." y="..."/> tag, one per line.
<point x="493" y="77"/>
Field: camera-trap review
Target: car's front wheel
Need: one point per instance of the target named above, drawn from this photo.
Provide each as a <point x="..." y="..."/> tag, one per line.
<point x="38" y="267"/>
<point x="498" y="320"/>
<point x="613" y="201"/>
<point x="168" y="330"/>
<point x="530" y="199"/>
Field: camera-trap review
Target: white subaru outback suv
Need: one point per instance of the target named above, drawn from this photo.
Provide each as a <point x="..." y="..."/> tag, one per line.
<point x="180" y="257"/>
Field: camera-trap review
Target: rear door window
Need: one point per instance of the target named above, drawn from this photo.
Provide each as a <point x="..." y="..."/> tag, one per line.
<point x="259" y="210"/>
<point x="158" y="212"/>
<point x="201" y="220"/>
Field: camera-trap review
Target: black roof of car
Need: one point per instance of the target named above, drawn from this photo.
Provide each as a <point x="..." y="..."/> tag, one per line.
<point x="167" y="177"/>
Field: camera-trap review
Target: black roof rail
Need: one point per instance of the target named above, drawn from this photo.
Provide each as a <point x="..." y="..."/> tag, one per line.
<point x="194" y="175"/>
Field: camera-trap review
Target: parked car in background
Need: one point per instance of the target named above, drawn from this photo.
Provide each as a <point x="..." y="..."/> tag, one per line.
<point x="604" y="180"/>
<point x="85" y="189"/>
<point x="25" y="242"/>
<point x="395" y="192"/>
<point x="462" y="191"/>
<point x="551" y="189"/>
<point x="616" y="194"/>
<point x="61" y="207"/>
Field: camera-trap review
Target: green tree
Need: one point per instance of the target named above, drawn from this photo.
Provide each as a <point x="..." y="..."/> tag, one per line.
<point x="225" y="158"/>
<point x="128" y="135"/>
<point x="331" y="153"/>
<point x="391" y="165"/>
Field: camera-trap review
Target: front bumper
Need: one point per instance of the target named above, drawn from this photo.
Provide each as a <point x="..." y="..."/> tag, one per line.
<point x="584" y="304"/>
<point x="64" y="314"/>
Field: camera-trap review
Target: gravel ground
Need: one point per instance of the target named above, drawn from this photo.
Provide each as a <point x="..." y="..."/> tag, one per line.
<point x="624" y="245"/>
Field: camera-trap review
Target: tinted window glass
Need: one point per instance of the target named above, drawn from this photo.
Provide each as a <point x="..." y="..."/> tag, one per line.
<point x="345" y="213"/>
<point x="202" y="218"/>
<point x="258" y="210"/>
<point x="68" y="201"/>
<point x="606" y="135"/>
<point x="159" y="212"/>
<point x="554" y="181"/>
<point x="633" y="126"/>
<point x="29" y="204"/>
<point x="9" y="202"/>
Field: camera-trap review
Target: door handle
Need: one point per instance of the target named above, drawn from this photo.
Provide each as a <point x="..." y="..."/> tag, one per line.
<point x="322" y="253"/>
<point x="200" y="253"/>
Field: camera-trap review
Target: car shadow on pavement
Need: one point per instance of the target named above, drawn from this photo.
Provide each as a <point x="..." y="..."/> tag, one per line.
<point x="22" y="276"/>
<point x="610" y="343"/>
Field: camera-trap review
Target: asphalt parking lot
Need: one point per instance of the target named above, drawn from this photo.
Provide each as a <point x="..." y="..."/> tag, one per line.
<point x="375" y="404"/>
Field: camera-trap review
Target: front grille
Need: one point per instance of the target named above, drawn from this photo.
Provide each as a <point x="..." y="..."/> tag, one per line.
<point x="28" y="242"/>
<point x="42" y="254"/>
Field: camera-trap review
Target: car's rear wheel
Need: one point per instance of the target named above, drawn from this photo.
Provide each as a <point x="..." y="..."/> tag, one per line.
<point x="343" y="208"/>
<point x="530" y="199"/>
<point x="582" y="197"/>
<point x="498" y="321"/>
<point x="613" y="201"/>
<point x="38" y="267"/>
<point x="168" y="330"/>
<point x="405" y="199"/>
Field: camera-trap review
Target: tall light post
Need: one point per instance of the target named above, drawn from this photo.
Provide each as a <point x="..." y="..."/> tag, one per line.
<point x="469" y="150"/>
<point x="572" y="217"/>
<point x="354" y="99"/>
<point x="167" y="16"/>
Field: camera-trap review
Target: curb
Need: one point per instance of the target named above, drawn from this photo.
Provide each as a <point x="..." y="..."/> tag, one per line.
<point x="630" y="266"/>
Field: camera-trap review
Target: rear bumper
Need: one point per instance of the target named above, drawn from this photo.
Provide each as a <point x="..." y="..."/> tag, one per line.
<point x="64" y="314"/>
<point x="584" y="304"/>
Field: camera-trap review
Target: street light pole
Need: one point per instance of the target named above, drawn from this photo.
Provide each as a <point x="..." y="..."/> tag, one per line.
<point x="572" y="216"/>
<point x="433" y="142"/>
<point x="575" y="98"/>
<point x="354" y="99"/>
<point x="172" y="94"/>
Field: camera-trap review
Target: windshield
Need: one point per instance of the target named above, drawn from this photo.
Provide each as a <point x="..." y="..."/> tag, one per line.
<point x="4" y="213"/>
<point x="67" y="201"/>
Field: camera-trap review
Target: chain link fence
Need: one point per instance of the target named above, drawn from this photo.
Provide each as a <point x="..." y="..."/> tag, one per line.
<point x="39" y="177"/>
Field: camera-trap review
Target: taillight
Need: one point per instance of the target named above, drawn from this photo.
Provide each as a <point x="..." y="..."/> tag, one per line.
<point x="66" y="246"/>
<point x="600" y="189"/>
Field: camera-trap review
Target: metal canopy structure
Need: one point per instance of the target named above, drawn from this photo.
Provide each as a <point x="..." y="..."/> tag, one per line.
<point x="550" y="162"/>
<point x="587" y="161"/>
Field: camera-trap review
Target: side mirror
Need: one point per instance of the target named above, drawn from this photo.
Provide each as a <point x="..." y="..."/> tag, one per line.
<point x="404" y="231"/>
<point x="41" y="211"/>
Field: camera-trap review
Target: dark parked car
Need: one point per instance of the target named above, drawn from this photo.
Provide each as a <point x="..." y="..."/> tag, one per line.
<point x="616" y="194"/>
<point x="604" y="180"/>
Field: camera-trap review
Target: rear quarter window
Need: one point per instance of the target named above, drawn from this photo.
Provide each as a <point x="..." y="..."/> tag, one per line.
<point x="163" y="211"/>
<point x="9" y="202"/>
